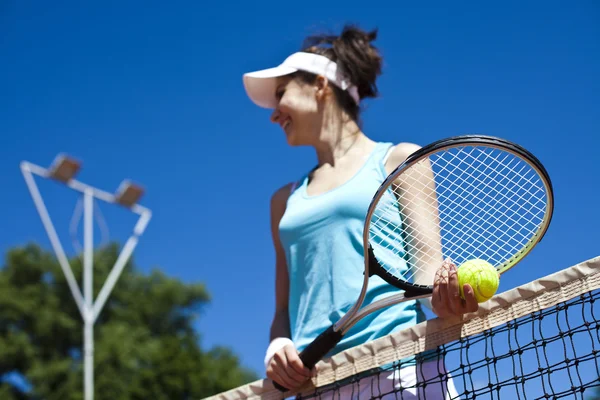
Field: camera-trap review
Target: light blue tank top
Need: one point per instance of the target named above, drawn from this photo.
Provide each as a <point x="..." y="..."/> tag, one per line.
<point x="322" y="239"/>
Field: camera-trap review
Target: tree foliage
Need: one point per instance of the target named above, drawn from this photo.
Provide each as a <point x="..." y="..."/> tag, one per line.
<point x="145" y="343"/>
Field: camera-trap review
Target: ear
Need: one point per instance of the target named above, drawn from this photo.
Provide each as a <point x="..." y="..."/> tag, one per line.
<point x="321" y="86"/>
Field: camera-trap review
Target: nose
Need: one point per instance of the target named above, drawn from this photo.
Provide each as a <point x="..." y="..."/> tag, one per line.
<point x="275" y="115"/>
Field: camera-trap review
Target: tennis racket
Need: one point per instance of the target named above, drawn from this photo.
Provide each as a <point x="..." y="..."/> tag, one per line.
<point x="461" y="198"/>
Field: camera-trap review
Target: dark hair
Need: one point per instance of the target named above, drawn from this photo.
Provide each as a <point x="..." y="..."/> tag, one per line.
<point x="357" y="59"/>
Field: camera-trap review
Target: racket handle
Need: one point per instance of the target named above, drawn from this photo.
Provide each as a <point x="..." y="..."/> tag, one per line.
<point x="316" y="350"/>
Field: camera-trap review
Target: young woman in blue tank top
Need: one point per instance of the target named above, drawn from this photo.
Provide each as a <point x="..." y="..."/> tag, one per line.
<point x="317" y="221"/>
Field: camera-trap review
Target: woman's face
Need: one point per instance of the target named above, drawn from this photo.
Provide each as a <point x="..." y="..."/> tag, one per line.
<point x="298" y="111"/>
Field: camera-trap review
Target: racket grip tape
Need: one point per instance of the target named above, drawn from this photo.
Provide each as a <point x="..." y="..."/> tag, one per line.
<point x="317" y="349"/>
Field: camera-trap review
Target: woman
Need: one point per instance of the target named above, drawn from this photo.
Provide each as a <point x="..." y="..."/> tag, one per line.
<point x="317" y="220"/>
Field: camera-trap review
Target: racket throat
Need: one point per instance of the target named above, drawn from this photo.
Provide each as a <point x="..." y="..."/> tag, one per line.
<point x="410" y="290"/>
<point x="372" y="262"/>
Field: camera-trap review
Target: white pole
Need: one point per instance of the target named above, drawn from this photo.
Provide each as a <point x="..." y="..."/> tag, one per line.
<point x="54" y="240"/>
<point x="120" y="264"/>
<point x="89" y="359"/>
<point x="88" y="292"/>
<point x="88" y="308"/>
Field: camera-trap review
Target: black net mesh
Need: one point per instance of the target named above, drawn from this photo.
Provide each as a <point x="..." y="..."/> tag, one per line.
<point x="549" y="354"/>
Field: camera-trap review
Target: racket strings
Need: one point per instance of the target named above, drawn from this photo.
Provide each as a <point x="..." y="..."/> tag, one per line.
<point x="489" y="204"/>
<point x="489" y="210"/>
<point x="519" y="174"/>
<point x="498" y="212"/>
<point x="394" y="243"/>
<point x="523" y="175"/>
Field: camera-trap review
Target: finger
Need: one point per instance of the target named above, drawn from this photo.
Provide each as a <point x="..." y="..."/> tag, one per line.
<point x="442" y="287"/>
<point x="289" y="377"/>
<point x="435" y="295"/>
<point x="470" y="303"/>
<point x="275" y="376"/>
<point x="282" y="369"/>
<point x="453" y="294"/>
<point x="274" y="373"/>
<point x="297" y="377"/>
<point x="296" y="363"/>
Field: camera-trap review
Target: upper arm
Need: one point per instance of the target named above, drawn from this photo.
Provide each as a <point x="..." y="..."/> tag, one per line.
<point x="278" y="204"/>
<point x="399" y="154"/>
<point x="418" y="201"/>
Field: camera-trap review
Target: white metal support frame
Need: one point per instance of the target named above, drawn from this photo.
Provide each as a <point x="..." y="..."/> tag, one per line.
<point x="127" y="195"/>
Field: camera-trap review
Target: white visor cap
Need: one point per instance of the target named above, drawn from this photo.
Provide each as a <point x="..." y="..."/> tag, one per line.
<point x="261" y="85"/>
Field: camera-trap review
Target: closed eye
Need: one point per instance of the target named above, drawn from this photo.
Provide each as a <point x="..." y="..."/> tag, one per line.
<point x="279" y="93"/>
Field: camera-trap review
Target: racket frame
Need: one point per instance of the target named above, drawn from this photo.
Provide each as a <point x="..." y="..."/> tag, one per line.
<point x="415" y="291"/>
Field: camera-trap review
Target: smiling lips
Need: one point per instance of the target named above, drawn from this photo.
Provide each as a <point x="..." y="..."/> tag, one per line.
<point x="286" y="123"/>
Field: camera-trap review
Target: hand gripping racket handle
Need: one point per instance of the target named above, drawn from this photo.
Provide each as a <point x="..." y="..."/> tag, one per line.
<point x="317" y="349"/>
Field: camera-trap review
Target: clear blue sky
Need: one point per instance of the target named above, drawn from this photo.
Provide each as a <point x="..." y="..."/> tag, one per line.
<point x="153" y="91"/>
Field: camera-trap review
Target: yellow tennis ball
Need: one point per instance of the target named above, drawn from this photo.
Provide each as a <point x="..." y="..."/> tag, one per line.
<point x="481" y="275"/>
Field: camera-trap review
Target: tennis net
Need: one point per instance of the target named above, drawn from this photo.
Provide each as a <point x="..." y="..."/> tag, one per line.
<point x="538" y="341"/>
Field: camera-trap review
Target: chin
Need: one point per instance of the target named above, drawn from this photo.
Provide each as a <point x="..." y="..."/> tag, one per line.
<point x="291" y="139"/>
<point x="295" y="143"/>
<point x="295" y="140"/>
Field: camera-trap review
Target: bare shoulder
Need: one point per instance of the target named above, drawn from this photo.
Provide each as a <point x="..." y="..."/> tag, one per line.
<point x="399" y="154"/>
<point x="280" y="196"/>
<point x="279" y="200"/>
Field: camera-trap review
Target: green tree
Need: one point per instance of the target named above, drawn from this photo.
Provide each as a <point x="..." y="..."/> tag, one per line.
<point x="145" y="343"/>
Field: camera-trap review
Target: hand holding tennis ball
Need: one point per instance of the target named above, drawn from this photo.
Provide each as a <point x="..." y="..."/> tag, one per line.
<point x="481" y="275"/>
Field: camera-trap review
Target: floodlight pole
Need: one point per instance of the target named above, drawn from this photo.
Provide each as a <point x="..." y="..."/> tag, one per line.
<point x="63" y="171"/>
<point x="88" y="293"/>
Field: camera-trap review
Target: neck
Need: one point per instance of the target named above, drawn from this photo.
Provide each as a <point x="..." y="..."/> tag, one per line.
<point x="336" y="140"/>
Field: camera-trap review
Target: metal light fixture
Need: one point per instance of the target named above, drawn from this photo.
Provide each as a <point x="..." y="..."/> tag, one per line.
<point x="128" y="193"/>
<point x="64" y="168"/>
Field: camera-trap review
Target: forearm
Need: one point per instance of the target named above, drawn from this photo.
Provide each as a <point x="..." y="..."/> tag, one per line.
<point x="280" y="327"/>
<point x="279" y="335"/>
<point x="420" y="212"/>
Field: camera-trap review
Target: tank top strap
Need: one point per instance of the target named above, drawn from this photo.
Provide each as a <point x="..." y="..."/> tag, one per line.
<point x="380" y="156"/>
<point x="299" y="183"/>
